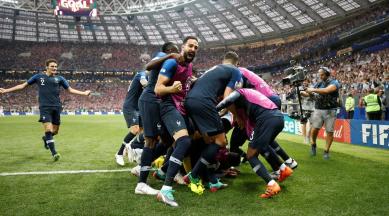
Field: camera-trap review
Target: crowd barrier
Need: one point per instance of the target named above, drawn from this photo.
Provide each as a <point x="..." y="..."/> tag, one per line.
<point x="63" y="113"/>
<point x="351" y="131"/>
<point x="359" y="113"/>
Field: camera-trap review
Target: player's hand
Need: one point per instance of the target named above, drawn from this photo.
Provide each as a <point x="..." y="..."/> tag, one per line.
<point x="176" y="87"/>
<point x="178" y="57"/>
<point x="87" y="92"/>
<point x="2" y="91"/>
<point x="193" y="79"/>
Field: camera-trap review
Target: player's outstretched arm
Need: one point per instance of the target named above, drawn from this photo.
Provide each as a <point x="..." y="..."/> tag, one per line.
<point x="15" y="88"/>
<point x="75" y="91"/>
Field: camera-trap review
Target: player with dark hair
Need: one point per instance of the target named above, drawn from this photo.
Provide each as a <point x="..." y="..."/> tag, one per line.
<point x="174" y="82"/>
<point x="201" y="103"/>
<point x="131" y="112"/>
<point x="50" y="106"/>
<point x="263" y="121"/>
<point x="149" y="111"/>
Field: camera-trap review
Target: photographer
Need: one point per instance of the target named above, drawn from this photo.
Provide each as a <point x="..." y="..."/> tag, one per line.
<point x="308" y="105"/>
<point x="325" y="94"/>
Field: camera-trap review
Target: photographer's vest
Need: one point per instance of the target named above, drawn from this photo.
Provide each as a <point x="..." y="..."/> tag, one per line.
<point x="326" y="101"/>
<point x="372" y="103"/>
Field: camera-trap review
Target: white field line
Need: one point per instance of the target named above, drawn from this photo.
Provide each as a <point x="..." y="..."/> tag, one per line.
<point x="63" y="172"/>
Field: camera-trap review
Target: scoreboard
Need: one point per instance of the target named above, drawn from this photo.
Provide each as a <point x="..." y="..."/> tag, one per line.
<point x="75" y="7"/>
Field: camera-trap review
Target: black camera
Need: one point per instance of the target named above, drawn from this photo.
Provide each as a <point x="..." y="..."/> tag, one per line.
<point x="296" y="75"/>
<point x="302" y="117"/>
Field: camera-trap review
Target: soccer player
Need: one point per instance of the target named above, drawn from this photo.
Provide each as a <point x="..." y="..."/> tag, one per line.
<point x="252" y="80"/>
<point x="131" y="112"/>
<point x="150" y="114"/>
<point x="174" y="82"/>
<point x="201" y="103"/>
<point x="50" y="107"/>
<point x="264" y="122"/>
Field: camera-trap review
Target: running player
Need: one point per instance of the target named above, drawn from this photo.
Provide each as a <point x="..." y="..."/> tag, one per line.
<point x="131" y="112"/>
<point x="174" y="82"/>
<point x="50" y="106"/>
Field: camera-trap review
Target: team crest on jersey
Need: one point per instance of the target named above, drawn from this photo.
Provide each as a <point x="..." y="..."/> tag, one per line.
<point x="159" y="126"/>
<point x="56" y="80"/>
<point x="178" y="123"/>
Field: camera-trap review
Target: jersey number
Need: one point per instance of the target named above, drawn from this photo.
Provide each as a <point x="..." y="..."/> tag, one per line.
<point x="42" y="81"/>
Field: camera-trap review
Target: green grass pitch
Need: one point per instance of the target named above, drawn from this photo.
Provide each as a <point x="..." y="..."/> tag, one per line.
<point x="355" y="181"/>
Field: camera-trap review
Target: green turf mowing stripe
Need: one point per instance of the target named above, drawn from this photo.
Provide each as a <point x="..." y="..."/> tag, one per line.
<point x="63" y="172"/>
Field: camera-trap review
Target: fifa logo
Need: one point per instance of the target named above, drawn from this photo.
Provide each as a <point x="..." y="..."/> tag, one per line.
<point x="378" y="134"/>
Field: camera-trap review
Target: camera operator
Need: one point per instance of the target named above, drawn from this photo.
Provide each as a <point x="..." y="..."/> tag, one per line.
<point x="325" y="94"/>
<point x="308" y="105"/>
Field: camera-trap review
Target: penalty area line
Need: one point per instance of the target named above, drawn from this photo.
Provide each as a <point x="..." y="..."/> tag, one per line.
<point x="62" y="172"/>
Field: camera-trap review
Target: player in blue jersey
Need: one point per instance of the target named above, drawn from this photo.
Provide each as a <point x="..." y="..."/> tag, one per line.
<point x="131" y="112"/>
<point x="200" y="104"/>
<point x="173" y="84"/>
<point x="50" y="106"/>
<point x="149" y="111"/>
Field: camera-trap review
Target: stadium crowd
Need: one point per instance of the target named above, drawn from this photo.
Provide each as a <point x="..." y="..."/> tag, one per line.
<point x="357" y="74"/>
<point x="122" y="57"/>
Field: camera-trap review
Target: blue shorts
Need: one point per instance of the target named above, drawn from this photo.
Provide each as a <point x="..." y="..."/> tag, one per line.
<point x="151" y="120"/>
<point x="132" y="117"/>
<point x="50" y="114"/>
<point x="204" y="115"/>
<point x="266" y="131"/>
<point x="173" y="120"/>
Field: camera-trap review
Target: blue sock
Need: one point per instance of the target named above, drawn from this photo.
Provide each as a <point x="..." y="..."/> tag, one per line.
<point x="50" y="142"/>
<point x="207" y="157"/>
<point x="126" y="140"/>
<point x="167" y="157"/>
<point x="271" y="157"/>
<point x="175" y="160"/>
<point x="145" y="164"/>
<point x="139" y="142"/>
<point x="211" y="173"/>
<point x="260" y="169"/>
<point x="280" y="151"/>
<point x="159" y="150"/>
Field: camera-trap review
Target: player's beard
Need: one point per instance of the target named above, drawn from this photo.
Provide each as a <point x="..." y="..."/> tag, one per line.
<point x="189" y="56"/>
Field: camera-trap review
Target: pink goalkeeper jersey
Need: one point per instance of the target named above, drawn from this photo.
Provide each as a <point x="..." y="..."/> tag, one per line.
<point x="259" y="84"/>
